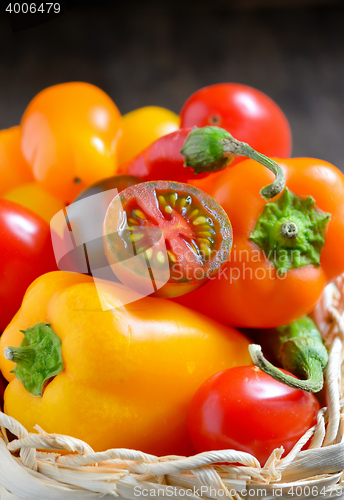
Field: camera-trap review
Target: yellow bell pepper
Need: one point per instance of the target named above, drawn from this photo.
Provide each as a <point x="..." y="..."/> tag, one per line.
<point x="126" y="375"/>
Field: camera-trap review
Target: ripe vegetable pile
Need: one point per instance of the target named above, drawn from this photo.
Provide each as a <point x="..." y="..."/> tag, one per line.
<point x="169" y="232"/>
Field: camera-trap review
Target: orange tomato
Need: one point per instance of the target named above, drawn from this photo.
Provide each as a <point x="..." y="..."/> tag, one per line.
<point x="70" y="134"/>
<point x="33" y="196"/>
<point x="248" y="291"/>
<point x="143" y="126"/>
<point x="13" y="168"/>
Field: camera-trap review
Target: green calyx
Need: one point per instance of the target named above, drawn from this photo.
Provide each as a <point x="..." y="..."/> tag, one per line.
<point x="38" y="358"/>
<point x="300" y="350"/>
<point x="301" y="342"/>
<point x="210" y="149"/>
<point x="291" y="232"/>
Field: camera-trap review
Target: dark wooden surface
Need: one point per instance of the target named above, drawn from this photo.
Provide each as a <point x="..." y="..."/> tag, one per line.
<point x="159" y="53"/>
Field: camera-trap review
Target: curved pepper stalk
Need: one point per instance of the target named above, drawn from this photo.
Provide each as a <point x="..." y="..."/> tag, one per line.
<point x="210" y="149"/>
<point x="300" y="350"/>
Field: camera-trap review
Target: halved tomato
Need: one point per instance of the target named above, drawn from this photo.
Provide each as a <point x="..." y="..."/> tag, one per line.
<point x="166" y="234"/>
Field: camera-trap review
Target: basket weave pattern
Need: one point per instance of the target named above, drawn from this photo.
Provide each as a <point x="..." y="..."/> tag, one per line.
<point x="27" y="472"/>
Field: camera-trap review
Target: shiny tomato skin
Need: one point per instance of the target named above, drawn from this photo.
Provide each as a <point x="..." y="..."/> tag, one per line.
<point x="248" y="114"/>
<point x="142" y="127"/>
<point x="26" y="252"/>
<point x="245" y="409"/>
<point x="32" y="196"/>
<point x="14" y="171"/>
<point x="70" y="137"/>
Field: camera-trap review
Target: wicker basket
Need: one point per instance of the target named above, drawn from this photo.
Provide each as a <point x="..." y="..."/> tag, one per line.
<point x="80" y="473"/>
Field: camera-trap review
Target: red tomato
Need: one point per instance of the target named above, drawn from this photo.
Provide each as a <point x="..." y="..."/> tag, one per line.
<point x="246" y="410"/>
<point x="26" y="253"/>
<point x="248" y="114"/>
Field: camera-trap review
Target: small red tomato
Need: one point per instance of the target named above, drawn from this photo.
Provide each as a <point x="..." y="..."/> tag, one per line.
<point x="246" y="410"/>
<point x="25" y="253"/>
<point x="248" y="114"/>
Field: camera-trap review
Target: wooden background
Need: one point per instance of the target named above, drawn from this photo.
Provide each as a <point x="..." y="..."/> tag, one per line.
<point x="159" y="52"/>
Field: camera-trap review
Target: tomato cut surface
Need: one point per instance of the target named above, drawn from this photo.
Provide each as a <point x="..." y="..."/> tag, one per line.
<point x="179" y="235"/>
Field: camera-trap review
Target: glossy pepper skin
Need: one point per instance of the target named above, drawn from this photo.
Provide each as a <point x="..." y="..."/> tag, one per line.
<point x="129" y="372"/>
<point x="70" y="134"/>
<point x="162" y="160"/>
<point x="249" y="293"/>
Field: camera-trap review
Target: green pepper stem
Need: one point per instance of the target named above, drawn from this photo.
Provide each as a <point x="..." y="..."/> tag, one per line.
<point x="210" y="149"/>
<point x="313" y="383"/>
<point x="289" y="230"/>
<point x="23" y="356"/>
<point x="238" y="148"/>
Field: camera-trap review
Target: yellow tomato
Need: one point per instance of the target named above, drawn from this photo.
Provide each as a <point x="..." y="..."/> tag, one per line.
<point x="13" y="168"/>
<point x="33" y="196"/>
<point x="69" y="137"/>
<point x="144" y="126"/>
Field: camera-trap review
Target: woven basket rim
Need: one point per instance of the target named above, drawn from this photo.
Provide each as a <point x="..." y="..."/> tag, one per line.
<point x="73" y="470"/>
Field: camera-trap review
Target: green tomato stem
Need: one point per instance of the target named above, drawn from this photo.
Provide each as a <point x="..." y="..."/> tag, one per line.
<point x="210" y="149"/>
<point x="314" y="382"/>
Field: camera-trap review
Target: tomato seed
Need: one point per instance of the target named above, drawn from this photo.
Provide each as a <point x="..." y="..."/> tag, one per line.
<point x="136" y="237"/>
<point x="173" y="199"/>
<point x="171" y="256"/>
<point x="194" y="213"/>
<point x="200" y="220"/>
<point x="133" y="221"/>
<point x="149" y="253"/>
<point x="139" y="214"/>
<point x="160" y="257"/>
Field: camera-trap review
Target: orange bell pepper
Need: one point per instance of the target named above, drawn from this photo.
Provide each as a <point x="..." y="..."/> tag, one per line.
<point x="285" y="249"/>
